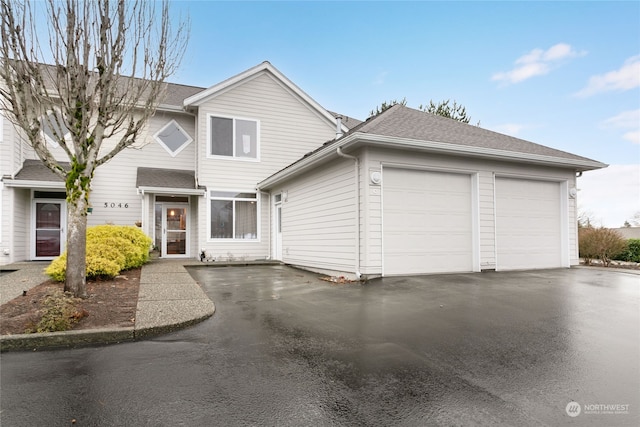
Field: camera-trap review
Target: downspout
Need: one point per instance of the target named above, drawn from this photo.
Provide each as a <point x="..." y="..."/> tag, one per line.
<point x="357" y="190"/>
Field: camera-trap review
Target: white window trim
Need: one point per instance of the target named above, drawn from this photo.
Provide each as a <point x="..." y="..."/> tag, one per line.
<point x="258" y="215"/>
<point x="233" y="158"/>
<point x="156" y="136"/>
<point x="1" y="197"/>
<point x="47" y="138"/>
<point x="63" y="225"/>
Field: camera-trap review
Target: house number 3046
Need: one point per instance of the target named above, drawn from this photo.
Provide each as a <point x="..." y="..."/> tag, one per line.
<point x="116" y="205"/>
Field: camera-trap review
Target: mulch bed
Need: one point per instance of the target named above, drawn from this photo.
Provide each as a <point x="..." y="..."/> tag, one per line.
<point x="111" y="303"/>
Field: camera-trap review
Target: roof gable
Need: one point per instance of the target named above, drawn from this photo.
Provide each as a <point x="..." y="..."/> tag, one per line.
<point x="250" y="74"/>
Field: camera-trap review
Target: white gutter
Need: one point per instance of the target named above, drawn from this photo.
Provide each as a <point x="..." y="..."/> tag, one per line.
<point x="35" y="184"/>
<point x="357" y="206"/>
<point x="165" y="190"/>
<point x="426" y="146"/>
<point x="491" y="153"/>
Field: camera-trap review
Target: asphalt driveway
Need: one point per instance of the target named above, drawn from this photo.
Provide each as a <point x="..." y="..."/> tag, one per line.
<point x="491" y="348"/>
<point x="285" y="348"/>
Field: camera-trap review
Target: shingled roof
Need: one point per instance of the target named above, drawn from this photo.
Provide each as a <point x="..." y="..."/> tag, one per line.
<point x="177" y="93"/>
<point x="401" y="127"/>
<point x="403" y="122"/>
<point x="166" y="178"/>
<point x="35" y="170"/>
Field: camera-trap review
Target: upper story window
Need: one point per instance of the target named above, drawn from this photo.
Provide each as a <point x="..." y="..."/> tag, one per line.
<point x="54" y="128"/>
<point x="234" y="138"/>
<point x="173" y="138"/>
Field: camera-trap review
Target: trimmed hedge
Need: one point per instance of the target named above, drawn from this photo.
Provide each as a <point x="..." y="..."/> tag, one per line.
<point x="110" y="249"/>
<point x="632" y="253"/>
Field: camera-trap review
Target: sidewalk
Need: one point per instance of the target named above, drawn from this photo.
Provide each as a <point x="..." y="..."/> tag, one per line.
<point x="168" y="299"/>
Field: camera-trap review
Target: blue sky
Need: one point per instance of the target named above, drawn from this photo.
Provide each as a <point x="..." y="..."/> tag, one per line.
<point x="562" y="74"/>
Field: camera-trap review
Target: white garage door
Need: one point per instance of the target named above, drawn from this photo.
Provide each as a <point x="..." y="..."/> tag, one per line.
<point x="427" y="226"/>
<point x="528" y="224"/>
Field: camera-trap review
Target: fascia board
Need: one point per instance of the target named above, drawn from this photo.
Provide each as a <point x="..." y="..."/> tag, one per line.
<point x="34" y="184"/>
<point x="359" y="138"/>
<point x="171" y="108"/>
<point x="197" y="99"/>
<point x="489" y="153"/>
<point x="167" y="190"/>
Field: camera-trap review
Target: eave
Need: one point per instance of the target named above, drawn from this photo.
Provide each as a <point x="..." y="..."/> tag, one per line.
<point x="168" y="190"/>
<point x="358" y="139"/>
<point x="34" y="184"/>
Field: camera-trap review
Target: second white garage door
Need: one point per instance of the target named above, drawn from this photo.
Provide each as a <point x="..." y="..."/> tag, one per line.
<point x="427" y="222"/>
<point x="528" y="224"/>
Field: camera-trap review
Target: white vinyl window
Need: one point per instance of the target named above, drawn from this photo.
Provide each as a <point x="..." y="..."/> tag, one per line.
<point x="234" y="138"/>
<point x="54" y="129"/>
<point x="234" y="215"/>
<point x="173" y="138"/>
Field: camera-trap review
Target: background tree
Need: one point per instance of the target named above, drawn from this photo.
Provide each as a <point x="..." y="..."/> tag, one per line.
<point x="634" y="221"/>
<point x="455" y="111"/>
<point x="107" y="63"/>
<point x="386" y="105"/>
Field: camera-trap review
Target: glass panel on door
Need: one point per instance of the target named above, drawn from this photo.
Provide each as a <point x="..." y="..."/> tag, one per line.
<point x="176" y="230"/>
<point x="48" y="229"/>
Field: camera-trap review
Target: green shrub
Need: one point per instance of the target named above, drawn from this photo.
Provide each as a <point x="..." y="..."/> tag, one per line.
<point x="136" y="249"/>
<point x="60" y="312"/>
<point x="632" y="252"/>
<point x="110" y="249"/>
<point x="600" y="243"/>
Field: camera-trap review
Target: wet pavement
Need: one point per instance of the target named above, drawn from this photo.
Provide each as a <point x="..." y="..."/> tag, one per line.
<point x="285" y="348"/>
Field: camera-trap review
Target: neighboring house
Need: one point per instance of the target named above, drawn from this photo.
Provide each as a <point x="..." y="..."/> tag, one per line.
<point x="628" y="232"/>
<point x="253" y="168"/>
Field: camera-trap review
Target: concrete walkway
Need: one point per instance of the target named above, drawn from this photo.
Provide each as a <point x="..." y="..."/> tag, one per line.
<point x="169" y="299"/>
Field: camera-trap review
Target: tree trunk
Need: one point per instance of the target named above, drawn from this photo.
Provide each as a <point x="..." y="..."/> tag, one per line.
<point x="76" y="281"/>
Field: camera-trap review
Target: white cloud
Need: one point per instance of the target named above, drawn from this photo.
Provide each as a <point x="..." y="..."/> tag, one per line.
<point x="611" y="195"/>
<point x="380" y="78"/>
<point x="509" y="128"/>
<point x="625" y="78"/>
<point x="627" y="120"/>
<point x="538" y="62"/>
<point x="633" y="136"/>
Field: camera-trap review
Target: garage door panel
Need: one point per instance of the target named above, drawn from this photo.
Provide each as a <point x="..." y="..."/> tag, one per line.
<point x="528" y="224"/>
<point x="427" y="222"/>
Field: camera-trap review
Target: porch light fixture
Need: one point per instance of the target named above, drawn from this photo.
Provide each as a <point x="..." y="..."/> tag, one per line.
<point x="376" y="177"/>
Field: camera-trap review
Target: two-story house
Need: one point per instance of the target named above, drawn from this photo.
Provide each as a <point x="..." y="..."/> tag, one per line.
<point x="254" y="168"/>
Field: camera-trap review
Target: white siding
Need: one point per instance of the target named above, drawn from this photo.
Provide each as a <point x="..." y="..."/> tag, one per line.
<point x="21" y="224"/>
<point x="289" y="129"/>
<point x="485" y="170"/>
<point x="318" y="219"/>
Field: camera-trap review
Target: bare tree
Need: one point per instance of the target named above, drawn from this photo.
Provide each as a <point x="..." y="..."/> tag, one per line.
<point x="107" y="63"/>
